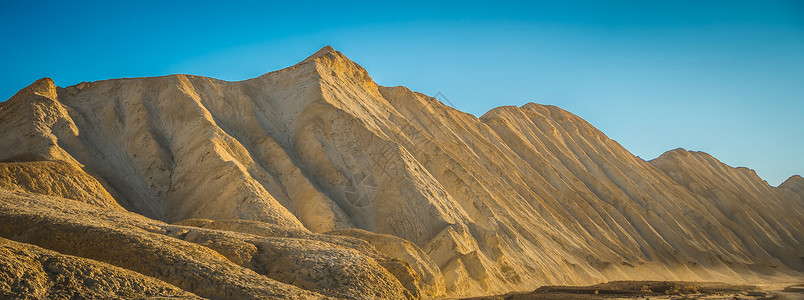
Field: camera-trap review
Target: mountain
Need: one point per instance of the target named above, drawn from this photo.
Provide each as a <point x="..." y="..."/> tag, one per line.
<point x="314" y="181"/>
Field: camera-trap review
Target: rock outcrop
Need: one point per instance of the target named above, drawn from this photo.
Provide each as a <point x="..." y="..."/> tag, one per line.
<point x="28" y="271"/>
<point x="314" y="181"/>
<point x="209" y="263"/>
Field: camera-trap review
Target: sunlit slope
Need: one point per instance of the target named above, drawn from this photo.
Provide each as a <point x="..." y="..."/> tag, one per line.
<point x="520" y="197"/>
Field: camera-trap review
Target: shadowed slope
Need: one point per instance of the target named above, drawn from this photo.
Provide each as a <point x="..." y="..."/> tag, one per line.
<point x="766" y="220"/>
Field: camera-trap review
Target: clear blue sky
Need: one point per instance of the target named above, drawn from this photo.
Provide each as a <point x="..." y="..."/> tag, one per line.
<point x="725" y="77"/>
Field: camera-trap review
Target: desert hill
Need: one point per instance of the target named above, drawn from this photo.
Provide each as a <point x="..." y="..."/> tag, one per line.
<point x="314" y="181"/>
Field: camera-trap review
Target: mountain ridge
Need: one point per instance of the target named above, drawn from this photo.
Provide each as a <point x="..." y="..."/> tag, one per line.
<point x="519" y="197"/>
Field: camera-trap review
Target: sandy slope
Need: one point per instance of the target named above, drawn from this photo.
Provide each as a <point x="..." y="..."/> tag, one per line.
<point x="520" y="197"/>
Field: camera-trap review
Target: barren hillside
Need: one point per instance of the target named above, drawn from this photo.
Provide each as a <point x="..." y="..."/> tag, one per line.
<point x="314" y="181"/>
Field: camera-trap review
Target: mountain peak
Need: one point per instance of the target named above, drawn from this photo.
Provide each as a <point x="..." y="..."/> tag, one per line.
<point x="677" y="153"/>
<point x="326" y="50"/>
<point x="336" y="64"/>
<point x="795" y="180"/>
<point x="43" y="87"/>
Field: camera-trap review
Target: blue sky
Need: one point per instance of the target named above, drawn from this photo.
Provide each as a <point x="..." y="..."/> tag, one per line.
<point x="725" y="77"/>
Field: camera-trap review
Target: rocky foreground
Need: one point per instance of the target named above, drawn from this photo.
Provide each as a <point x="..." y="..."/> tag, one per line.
<point x="313" y="181"/>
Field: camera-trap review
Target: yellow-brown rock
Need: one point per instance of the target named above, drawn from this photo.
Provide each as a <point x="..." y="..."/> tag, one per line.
<point x="27" y="271"/>
<point x="314" y="181"/>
